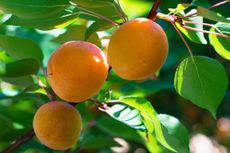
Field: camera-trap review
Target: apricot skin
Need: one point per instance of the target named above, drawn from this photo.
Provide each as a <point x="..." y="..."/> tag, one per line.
<point x="77" y="70"/>
<point x="137" y="49"/>
<point x="57" y="125"/>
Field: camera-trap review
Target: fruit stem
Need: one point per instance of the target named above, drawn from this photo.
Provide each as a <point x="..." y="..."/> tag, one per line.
<point x="165" y="17"/>
<point x="21" y="140"/>
<point x="153" y="12"/>
<point x="50" y="96"/>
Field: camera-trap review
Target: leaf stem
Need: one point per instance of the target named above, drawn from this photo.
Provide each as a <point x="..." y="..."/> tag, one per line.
<point x="178" y="18"/>
<point x="153" y="12"/>
<point x="183" y="39"/>
<point x="21" y="140"/>
<point x="205" y="24"/>
<point x="207" y="32"/>
<point x="190" y="52"/>
<point x="218" y="4"/>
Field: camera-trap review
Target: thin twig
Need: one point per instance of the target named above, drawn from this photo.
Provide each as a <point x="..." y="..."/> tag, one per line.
<point x="208" y="32"/>
<point x="183" y="39"/>
<point x="218" y="4"/>
<point x="21" y="140"/>
<point x="205" y="24"/>
<point x="153" y="11"/>
<point x="190" y="52"/>
<point x="44" y="87"/>
<point x="45" y="76"/>
<point x="178" y="18"/>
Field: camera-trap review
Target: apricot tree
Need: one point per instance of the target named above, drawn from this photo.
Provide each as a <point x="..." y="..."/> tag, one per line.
<point x="78" y="74"/>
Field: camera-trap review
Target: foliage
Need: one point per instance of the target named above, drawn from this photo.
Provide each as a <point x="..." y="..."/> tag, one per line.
<point x="31" y="30"/>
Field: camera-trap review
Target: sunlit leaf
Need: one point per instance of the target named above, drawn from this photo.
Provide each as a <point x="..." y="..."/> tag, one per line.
<point x="195" y="36"/>
<point x="141" y="7"/>
<point x="211" y="15"/>
<point x="77" y="32"/>
<point x="58" y="20"/>
<point x="21" y="48"/>
<point x="105" y="8"/>
<point x="203" y="81"/>
<point x="33" y="9"/>
<point x="180" y="7"/>
<point x="175" y="132"/>
<point x="23" y="81"/>
<point x="19" y="68"/>
<point x="127" y="115"/>
<point x="150" y="119"/>
<point x="97" y="26"/>
<point x="117" y="129"/>
<point x="220" y="44"/>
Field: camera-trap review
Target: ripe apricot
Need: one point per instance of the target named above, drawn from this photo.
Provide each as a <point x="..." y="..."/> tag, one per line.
<point x="77" y="70"/>
<point x="57" y="125"/>
<point x="137" y="49"/>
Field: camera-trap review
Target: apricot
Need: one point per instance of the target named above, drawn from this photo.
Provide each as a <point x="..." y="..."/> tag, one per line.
<point x="57" y="125"/>
<point x="77" y="70"/>
<point x="137" y="49"/>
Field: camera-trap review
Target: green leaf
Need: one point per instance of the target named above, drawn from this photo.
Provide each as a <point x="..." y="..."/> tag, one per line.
<point x="220" y="44"/>
<point x="203" y="81"/>
<point x="141" y="7"/>
<point x="33" y="9"/>
<point x="19" y="68"/>
<point x="180" y="7"/>
<point x="5" y="126"/>
<point x="58" y="20"/>
<point x="97" y="26"/>
<point x="23" y="81"/>
<point x="127" y="115"/>
<point x="175" y="133"/>
<point x="203" y="3"/>
<point x="149" y="118"/>
<point x="18" y="116"/>
<point x="33" y="97"/>
<point x="77" y="32"/>
<point x="21" y="48"/>
<point x="118" y="129"/>
<point x="197" y="37"/>
<point x="106" y="8"/>
<point x="99" y="142"/>
<point x="211" y="15"/>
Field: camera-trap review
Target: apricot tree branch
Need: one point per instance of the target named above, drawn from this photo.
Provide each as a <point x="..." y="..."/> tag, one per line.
<point x="21" y="140"/>
<point x="153" y="11"/>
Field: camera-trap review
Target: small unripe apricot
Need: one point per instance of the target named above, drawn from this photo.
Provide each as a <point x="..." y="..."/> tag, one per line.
<point x="57" y="125"/>
<point x="137" y="49"/>
<point x="77" y="70"/>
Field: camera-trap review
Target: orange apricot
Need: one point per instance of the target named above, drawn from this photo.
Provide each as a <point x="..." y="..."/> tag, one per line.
<point x="137" y="49"/>
<point x="57" y="125"/>
<point x="77" y="70"/>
